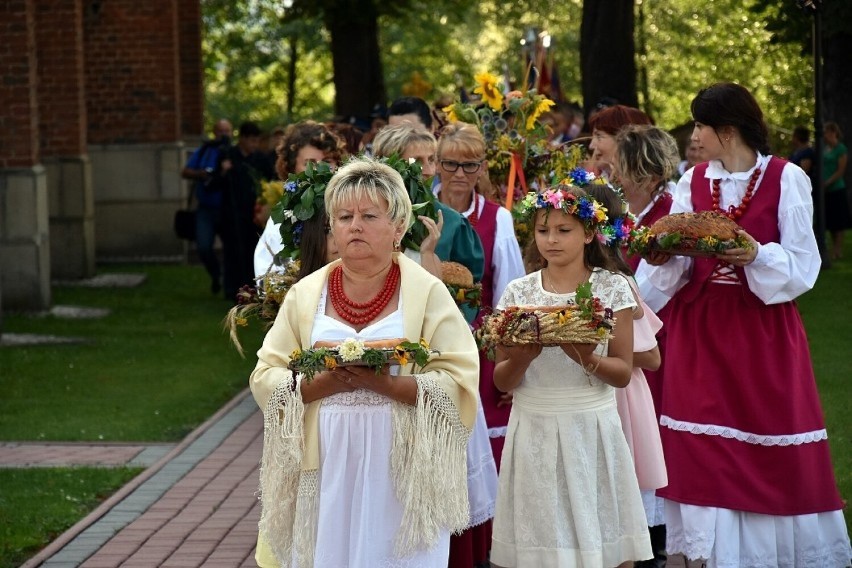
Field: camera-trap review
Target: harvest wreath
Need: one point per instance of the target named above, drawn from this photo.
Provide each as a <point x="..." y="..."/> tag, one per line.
<point x="373" y="354"/>
<point x="585" y="320"/>
<point x="689" y="234"/>
<point x="262" y="302"/>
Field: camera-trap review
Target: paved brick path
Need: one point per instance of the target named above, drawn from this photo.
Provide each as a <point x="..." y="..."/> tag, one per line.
<point x="196" y="506"/>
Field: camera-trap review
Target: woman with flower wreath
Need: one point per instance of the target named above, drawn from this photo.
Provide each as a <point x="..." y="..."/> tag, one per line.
<point x="461" y="162"/>
<point x="568" y="494"/>
<point x="459" y="243"/>
<point x="645" y="161"/>
<point x="303" y="142"/>
<point x="365" y="468"/>
<point x="750" y="475"/>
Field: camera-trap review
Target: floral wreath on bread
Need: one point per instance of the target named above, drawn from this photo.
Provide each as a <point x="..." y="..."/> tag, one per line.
<point x="353" y="351"/>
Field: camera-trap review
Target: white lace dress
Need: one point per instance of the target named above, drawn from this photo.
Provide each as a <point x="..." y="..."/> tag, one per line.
<point x="359" y="513"/>
<point x="568" y="494"/>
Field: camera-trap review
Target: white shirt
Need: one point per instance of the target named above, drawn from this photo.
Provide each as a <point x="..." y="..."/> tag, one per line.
<point x="781" y="271"/>
<point x="267" y="247"/>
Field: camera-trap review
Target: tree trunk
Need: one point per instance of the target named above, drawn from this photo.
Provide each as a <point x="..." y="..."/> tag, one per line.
<point x="837" y="84"/>
<point x="358" y="79"/>
<point x="607" y="52"/>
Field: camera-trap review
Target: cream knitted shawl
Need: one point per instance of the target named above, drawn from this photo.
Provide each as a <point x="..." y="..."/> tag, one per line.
<point x="428" y="457"/>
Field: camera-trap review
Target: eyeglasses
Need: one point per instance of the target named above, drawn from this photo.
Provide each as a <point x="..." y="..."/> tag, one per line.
<point x="467" y="167"/>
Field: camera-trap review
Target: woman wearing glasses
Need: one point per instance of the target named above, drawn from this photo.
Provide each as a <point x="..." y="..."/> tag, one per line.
<point x="461" y="163"/>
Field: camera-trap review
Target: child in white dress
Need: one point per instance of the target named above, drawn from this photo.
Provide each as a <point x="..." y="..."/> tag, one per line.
<point x="568" y="494"/>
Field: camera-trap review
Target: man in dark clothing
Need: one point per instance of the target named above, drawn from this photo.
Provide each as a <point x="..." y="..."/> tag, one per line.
<point x="245" y="166"/>
<point x="205" y="169"/>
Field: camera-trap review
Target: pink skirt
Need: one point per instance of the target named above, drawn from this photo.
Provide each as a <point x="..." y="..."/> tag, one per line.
<point x="639" y="422"/>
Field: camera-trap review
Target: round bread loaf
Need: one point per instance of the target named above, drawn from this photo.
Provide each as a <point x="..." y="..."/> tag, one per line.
<point x="693" y="226"/>
<point x="372" y="344"/>
<point x="456" y="274"/>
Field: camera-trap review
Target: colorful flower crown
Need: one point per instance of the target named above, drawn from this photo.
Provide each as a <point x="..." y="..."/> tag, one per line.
<point x="587" y="210"/>
<point x="619" y="231"/>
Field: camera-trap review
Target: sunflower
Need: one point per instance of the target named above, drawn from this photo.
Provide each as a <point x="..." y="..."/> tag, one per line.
<point x="487" y="87"/>
<point x="540" y="108"/>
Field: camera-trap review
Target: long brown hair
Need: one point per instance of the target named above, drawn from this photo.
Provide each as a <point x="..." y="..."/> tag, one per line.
<point x="607" y="197"/>
<point x="313" y="249"/>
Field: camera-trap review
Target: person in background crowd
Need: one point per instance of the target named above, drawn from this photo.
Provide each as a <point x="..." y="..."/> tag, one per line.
<point x="750" y="475"/>
<point x="604" y="125"/>
<point x="349" y="134"/>
<point x="246" y="166"/>
<point x="205" y="170"/>
<point x="458" y="242"/>
<point x="834" y="160"/>
<point x="270" y="152"/>
<point x="461" y="162"/>
<point x="410" y="109"/>
<point x="692" y="157"/>
<point x="646" y="158"/>
<point x="303" y="142"/>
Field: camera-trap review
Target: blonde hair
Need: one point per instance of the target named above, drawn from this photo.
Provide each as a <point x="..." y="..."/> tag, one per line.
<point x="462" y="138"/>
<point x="646" y="153"/>
<point x="396" y="139"/>
<point x="368" y="177"/>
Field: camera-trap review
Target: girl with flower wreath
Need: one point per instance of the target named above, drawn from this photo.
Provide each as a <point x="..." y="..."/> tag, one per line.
<point x="750" y="475"/>
<point x="568" y="494"/>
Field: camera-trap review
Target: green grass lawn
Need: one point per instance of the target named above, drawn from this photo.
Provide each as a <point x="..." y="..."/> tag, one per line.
<point x="160" y="364"/>
<point x="38" y="505"/>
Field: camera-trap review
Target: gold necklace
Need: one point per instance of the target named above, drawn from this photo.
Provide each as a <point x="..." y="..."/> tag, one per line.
<point x="548" y="279"/>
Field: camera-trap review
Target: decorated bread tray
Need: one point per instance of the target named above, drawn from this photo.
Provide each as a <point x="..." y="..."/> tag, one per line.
<point x="355" y="352"/>
<point x="585" y="320"/>
<point x="701" y="234"/>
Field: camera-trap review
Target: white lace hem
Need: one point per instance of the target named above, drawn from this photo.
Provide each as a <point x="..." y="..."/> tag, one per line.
<point x="747" y="437"/>
<point x="499" y="432"/>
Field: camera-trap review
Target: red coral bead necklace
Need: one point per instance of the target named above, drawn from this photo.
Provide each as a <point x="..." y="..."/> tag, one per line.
<point x="735" y="212"/>
<point x="359" y="313"/>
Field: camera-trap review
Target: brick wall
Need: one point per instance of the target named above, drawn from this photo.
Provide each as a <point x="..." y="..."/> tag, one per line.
<point x="132" y="74"/>
<point x="62" y="107"/>
<point x="191" y="69"/>
<point x="18" y="107"/>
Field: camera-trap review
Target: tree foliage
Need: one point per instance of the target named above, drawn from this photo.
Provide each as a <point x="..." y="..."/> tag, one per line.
<point x="688" y="46"/>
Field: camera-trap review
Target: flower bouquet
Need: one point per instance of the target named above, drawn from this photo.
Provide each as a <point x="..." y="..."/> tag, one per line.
<point x="701" y="234"/>
<point x="372" y="354"/>
<point x="515" y="139"/>
<point x="261" y="303"/>
<point x="585" y="320"/>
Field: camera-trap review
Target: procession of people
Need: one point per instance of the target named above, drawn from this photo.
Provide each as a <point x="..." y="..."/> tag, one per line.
<point x="688" y="433"/>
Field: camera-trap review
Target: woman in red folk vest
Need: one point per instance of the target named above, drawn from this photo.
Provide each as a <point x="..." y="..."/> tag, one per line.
<point x="461" y="162"/>
<point x="750" y="475"/>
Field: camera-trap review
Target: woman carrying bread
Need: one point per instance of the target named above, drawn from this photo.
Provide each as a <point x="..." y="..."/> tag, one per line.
<point x="461" y="163"/>
<point x="360" y="468"/>
<point x="460" y="250"/>
<point x="750" y="475"/>
<point x="458" y="242"/>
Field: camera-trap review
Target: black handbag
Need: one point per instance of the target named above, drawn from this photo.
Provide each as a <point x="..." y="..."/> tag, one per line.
<point x="184" y="223"/>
